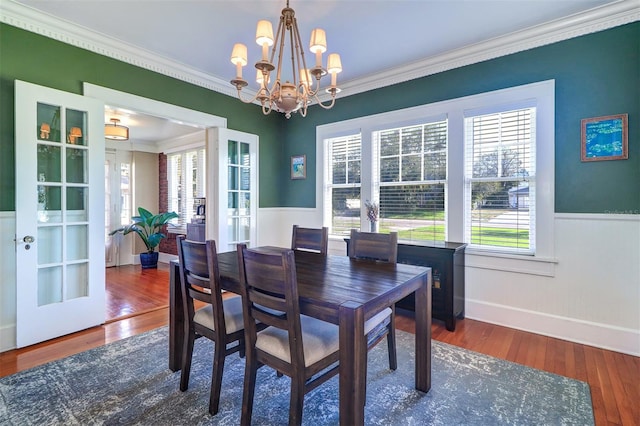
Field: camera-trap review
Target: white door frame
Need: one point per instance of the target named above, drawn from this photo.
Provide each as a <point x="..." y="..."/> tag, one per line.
<point x="118" y="99"/>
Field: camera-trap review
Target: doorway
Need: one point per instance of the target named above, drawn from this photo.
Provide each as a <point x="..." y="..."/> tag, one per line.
<point x="131" y="291"/>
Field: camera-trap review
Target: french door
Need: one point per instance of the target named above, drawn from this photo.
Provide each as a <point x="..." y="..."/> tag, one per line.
<point x="232" y="181"/>
<point x="60" y="213"/>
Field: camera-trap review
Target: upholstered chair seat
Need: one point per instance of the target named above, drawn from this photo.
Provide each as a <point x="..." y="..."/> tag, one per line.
<point x="233" y="320"/>
<point x="319" y="339"/>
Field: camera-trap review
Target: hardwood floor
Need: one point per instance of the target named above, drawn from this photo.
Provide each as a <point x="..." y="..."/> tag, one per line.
<point x="133" y="291"/>
<point x="140" y="298"/>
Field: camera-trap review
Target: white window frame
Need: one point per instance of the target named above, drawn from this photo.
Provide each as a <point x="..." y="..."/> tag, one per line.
<point x="180" y="227"/>
<point x="330" y="186"/>
<point x="540" y="94"/>
<point x="469" y="179"/>
<point x="378" y="183"/>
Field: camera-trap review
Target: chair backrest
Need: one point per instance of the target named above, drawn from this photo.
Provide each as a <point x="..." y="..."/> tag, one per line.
<point x="270" y="295"/>
<point x="198" y="265"/>
<point x="374" y="246"/>
<point x="310" y="239"/>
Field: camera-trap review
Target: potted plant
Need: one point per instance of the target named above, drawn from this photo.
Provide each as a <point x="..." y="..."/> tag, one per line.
<point x="148" y="226"/>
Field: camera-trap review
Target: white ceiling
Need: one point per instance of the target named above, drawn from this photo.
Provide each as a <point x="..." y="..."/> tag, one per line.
<point x="374" y="37"/>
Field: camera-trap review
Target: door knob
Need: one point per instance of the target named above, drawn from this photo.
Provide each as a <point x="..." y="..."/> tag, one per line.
<point x="28" y="239"/>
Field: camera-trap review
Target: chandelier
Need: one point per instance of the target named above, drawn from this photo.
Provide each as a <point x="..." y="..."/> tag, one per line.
<point x="288" y="96"/>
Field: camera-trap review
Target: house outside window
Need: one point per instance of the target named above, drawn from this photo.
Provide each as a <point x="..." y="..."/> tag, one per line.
<point x="500" y="172"/>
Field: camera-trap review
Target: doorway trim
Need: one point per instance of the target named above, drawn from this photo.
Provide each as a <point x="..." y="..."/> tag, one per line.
<point x="116" y="98"/>
<point x="128" y="101"/>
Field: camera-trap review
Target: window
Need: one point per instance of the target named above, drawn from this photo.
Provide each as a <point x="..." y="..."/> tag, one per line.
<point x="500" y="180"/>
<point x="342" y="197"/>
<point x="125" y="194"/>
<point x="411" y="176"/>
<point x="186" y="175"/>
<point x="478" y="169"/>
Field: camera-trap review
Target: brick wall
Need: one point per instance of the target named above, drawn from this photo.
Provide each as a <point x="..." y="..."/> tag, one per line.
<point x="167" y="245"/>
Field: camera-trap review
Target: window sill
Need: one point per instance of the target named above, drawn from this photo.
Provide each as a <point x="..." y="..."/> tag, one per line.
<point x="520" y="264"/>
<point x="177" y="230"/>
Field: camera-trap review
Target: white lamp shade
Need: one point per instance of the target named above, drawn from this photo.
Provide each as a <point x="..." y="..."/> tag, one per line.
<point x="305" y="78"/>
<point x="334" y="65"/>
<point x="264" y="33"/>
<point x="318" y="41"/>
<point x="115" y="131"/>
<point x="239" y="54"/>
<point x="260" y="78"/>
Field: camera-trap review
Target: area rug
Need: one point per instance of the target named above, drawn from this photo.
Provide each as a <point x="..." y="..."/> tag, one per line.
<point x="129" y="383"/>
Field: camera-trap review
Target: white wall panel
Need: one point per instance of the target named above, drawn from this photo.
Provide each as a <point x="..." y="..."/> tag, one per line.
<point x="8" y="281"/>
<point x="275" y="224"/>
<point x="593" y="296"/>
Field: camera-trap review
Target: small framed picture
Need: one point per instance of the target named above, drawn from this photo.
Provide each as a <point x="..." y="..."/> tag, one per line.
<point x="298" y="167"/>
<point x="605" y="138"/>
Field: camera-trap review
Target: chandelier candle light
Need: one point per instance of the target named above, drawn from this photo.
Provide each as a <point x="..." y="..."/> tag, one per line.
<point x="287" y="97"/>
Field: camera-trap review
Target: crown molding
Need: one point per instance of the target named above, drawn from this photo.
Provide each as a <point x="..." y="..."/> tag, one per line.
<point x="591" y="21"/>
<point x="35" y="21"/>
<point x="594" y="20"/>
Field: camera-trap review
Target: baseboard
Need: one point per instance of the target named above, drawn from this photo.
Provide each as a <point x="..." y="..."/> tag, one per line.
<point x="7" y="337"/>
<point x="164" y="257"/>
<point x="589" y="333"/>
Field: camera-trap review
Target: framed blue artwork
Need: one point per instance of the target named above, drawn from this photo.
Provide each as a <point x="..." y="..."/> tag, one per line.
<point x="605" y="138"/>
<point x="299" y="167"/>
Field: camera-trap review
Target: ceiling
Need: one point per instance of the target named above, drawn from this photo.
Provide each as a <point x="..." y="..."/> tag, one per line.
<point x="375" y="38"/>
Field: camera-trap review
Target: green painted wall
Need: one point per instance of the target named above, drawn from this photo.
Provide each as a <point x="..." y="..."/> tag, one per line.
<point x="40" y="60"/>
<point x="596" y="75"/>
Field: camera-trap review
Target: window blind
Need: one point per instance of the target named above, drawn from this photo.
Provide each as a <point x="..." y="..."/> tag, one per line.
<point x="500" y="180"/>
<point x="411" y="180"/>
<point x="342" y="197"/>
<point x="186" y="175"/>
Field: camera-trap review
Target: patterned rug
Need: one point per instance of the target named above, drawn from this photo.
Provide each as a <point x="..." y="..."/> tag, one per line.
<point x="128" y="383"/>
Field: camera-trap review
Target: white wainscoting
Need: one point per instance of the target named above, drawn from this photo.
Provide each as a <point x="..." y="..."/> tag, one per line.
<point x="8" y="281"/>
<point x="589" y="293"/>
<point x="592" y="297"/>
<point x="275" y="224"/>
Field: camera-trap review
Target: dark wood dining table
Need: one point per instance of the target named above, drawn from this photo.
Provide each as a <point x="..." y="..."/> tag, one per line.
<point x="342" y="291"/>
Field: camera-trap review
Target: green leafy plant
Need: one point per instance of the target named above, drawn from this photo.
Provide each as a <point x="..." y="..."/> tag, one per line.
<point x="148" y="226"/>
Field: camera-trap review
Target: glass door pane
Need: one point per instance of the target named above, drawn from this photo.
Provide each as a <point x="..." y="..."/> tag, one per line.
<point x="62" y="175"/>
<point x="239" y="192"/>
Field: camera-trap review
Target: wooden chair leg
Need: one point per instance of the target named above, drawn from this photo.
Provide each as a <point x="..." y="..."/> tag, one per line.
<point x="391" y="342"/>
<point x="366" y="369"/>
<point x="297" y="400"/>
<point x="216" y="379"/>
<point x="243" y="348"/>
<point x="187" y="354"/>
<point x="250" y="371"/>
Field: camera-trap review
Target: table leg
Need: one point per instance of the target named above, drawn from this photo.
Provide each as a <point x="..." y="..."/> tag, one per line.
<point x="353" y="358"/>
<point x="176" y="318"/>
<point x="423" y="334"/>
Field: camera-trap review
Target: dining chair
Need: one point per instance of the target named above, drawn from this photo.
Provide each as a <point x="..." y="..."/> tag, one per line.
<point x="381" y="248"/>
<point x="310" y="239"/>
<point x="220" y="320"/>
<point x="303" y="348"/>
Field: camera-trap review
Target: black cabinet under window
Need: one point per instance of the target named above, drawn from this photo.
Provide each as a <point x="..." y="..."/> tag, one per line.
<point x="446" y="261"/>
